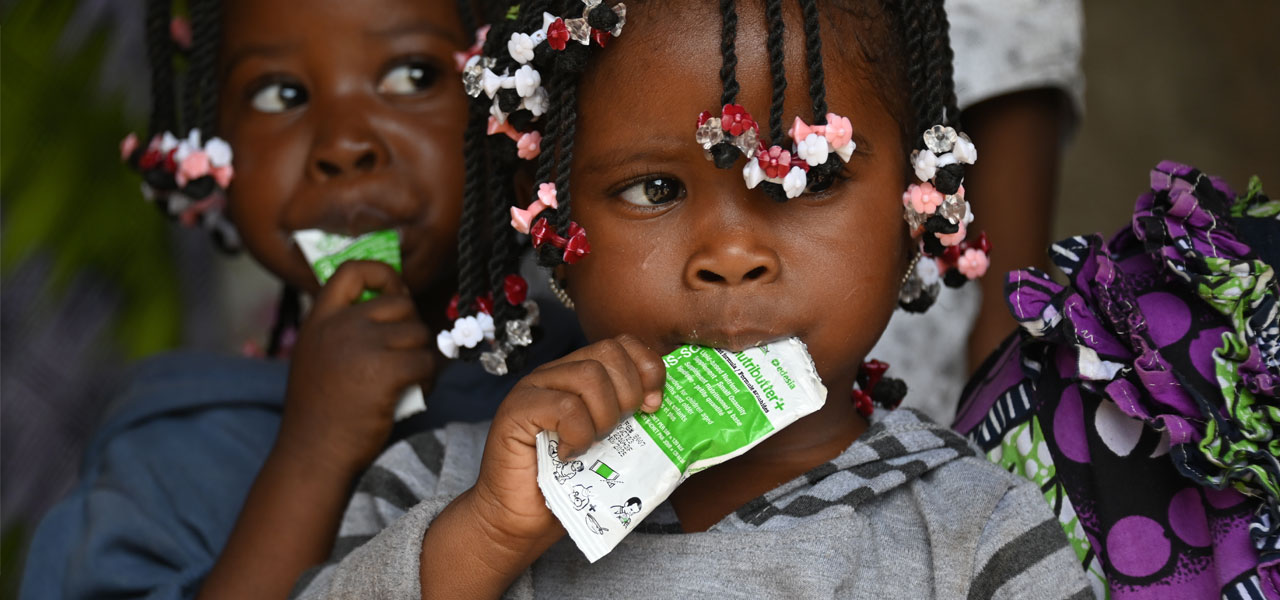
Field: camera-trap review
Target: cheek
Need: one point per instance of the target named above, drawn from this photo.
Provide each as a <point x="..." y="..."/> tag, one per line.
<point x="627" y="283"/>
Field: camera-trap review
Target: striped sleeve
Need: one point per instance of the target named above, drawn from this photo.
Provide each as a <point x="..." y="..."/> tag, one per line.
<point x="1023" y="553"/>
<point x="376" y="554"/>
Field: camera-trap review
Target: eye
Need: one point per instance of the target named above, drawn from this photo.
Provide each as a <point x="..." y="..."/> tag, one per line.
<point x="409" y="78"/>
<point x="651" y="192"/>
<point x="279" y="97"/>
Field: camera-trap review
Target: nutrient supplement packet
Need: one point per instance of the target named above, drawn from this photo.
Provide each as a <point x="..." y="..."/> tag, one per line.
<point x="716" y="405"/>
<point x="325" y="252"/>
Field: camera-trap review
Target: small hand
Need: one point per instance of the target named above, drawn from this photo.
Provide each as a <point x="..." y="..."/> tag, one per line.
<point x="581" y="397"/>
<point x="350" y="365"/>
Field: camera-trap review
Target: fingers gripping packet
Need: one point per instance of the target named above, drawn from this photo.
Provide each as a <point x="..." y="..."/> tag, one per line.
<point x="327" y="251"/>
<point x="716" y="405"/>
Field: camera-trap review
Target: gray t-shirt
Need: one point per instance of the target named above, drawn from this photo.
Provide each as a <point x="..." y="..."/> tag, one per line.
<point x="909" y="510"/>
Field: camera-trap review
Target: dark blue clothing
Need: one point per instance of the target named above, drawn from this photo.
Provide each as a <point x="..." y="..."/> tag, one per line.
<point x="166" y="473"/>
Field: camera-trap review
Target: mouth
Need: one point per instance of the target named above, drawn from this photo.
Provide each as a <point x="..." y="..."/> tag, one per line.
<point x="730" y="339"/>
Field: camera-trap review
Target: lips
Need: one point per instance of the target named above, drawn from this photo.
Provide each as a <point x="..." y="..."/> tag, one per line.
<point x="733" y="339"/>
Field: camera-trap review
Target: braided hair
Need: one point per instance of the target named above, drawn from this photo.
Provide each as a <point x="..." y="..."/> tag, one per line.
<point x="489" y="249"/>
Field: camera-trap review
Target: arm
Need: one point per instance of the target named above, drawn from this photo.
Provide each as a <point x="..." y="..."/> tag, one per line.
<point x="1023" y="552"/>
<point x="348" y="368"/>
<point x="477" y="544"/>
<point x="1013" y="186"/>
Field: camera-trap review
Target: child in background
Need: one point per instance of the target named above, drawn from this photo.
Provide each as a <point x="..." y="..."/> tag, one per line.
<point x="661" y="230"/>
<point x="1142" y="395"/>
<point x="342" y="117"/>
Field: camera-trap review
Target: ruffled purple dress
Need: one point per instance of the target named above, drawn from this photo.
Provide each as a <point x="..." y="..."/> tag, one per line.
<point x="1143" y="395"/>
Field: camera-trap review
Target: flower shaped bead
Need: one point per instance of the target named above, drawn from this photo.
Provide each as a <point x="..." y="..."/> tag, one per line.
<point x="449" y="348"/>
<point x="557" y="34"/>
<point x="925" y="164"/>
<point x="964" y="150"/>
<point x="521" y="47"/>
<point x="219" y="152"/>
<point x="547" y="195"/>
<point x="795" y="182"/>
<point x="752" y="174"/>
<point x="922" y="198"/>
<point x="973" y="263"/>
<point x="486" y="325"/>
<point x="467" y="332"/>
<point x="813" y="149"/>
<point x="776" y="162"/>
<point x="194" y="166"/>
<point x="839" y="131"/>
<point x="527" y="81"/>
<point x="529" y="146"/>
<point x="128" y="145"/>
<point x="736" y="119"/>
<point x="537" y="102"/>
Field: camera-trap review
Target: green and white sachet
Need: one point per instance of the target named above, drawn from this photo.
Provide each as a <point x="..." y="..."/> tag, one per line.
<point x="716" y="405"/>
<point x="325" y="252"/>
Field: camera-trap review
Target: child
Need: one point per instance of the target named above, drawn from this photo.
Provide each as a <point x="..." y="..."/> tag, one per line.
<point x="1142" y="395"/>
<point x="342" y="117"/>
<point x="657" y="240"/>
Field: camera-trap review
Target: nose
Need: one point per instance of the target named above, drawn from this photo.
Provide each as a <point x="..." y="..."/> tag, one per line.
<point x="346" y="149"/>
<point x="734" y="258"/>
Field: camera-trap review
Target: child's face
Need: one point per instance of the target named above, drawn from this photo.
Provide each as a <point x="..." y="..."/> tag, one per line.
<point x="347" y="117"/>
<point x="715" y="263"/>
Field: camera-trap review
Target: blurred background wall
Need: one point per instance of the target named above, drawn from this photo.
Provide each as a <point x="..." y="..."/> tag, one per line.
<point x="92" y="278"/>
<point x="1197" y="82"/>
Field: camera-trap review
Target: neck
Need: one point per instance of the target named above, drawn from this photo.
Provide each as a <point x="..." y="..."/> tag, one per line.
<point x="707" y="497"/>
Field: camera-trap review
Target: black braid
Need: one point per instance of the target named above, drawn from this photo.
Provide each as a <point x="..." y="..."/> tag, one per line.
<point x="813" y="55"/>
<point x="160" y="57"/>
<point x="777" y="66"/>
<point x="728" y="53"/>
<point x="500" y="193"/>
<point x="470" y="253"/>
<point x="946" y="70"/>
<point x="913" y="31"/>
<point x="202" y="68"/>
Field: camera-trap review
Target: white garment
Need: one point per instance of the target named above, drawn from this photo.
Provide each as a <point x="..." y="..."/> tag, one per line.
<point x="1001" y="46"/>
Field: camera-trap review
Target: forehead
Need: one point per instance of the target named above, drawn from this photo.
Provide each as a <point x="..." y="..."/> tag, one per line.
<point x="665" y="69"/>
<point x="268" y="22"/>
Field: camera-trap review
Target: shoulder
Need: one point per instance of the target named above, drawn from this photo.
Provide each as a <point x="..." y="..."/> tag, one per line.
<point x="1004" y="46"/>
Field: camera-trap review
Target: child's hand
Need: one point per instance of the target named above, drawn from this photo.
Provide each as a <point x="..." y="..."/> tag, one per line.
<point x="350" y="365"/>
<point x="582" y="397"/>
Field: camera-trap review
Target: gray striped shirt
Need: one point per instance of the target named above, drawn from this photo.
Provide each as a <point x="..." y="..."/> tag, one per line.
<point x="908" y="511"/>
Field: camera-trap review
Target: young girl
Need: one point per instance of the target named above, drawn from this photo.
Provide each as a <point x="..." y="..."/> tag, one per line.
<point x="343" y="118"/>
<point x="665" y="226"/>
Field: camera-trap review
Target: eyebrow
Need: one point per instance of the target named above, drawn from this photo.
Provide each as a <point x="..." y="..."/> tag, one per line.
<point x="258" y="50"/>
<point x="662" y="149"/>
<point x="416" y="27"/>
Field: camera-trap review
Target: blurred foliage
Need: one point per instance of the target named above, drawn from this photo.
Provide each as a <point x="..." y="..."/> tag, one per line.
<point x="64" y="190"/>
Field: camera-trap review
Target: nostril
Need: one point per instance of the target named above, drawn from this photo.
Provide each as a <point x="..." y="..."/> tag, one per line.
<point x="366" y="161"/>
<point x="328" y="168"/>
<point x="709" y="277"/>
<point x="755" y="273"/>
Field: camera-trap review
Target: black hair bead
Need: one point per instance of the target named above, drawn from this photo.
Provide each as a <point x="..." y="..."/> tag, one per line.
<point x="725" y="154"/>
<point x="953" y="278"/>
<point x="939" y="224"/>
<point x="199" y="188"/>
<point x="889" y="392"/>
<point x="159" y="179"/>
<point x="948" y="179"/>
<point x="508" y="100"/>
<point x="603" y="18"/>
<point x="774" y="191"/>
<point x="521" y="120"/>
<point x="933" y="246"/>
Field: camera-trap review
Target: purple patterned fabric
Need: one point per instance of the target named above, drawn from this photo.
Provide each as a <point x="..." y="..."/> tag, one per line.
<point x="1150" y="380"/>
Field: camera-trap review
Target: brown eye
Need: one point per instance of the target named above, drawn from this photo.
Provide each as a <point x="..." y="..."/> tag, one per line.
<point x="651" y="192"/>
<point x="409" y="78"/>
<point x="279" y="97"/>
